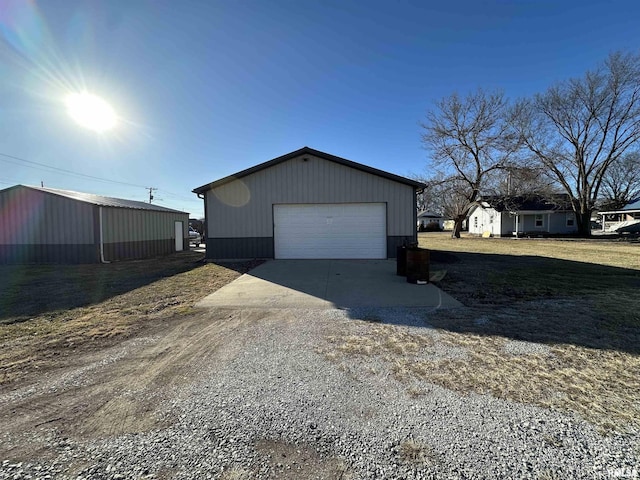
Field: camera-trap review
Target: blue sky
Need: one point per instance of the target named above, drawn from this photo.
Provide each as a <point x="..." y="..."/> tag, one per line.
<point x="207" y="88"/>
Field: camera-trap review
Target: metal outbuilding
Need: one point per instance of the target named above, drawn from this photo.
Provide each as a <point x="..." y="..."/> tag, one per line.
<point x="309" y="204"/>
<point x="46" y="225"/>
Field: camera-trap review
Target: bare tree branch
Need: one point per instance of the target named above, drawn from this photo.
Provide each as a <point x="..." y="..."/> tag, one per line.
<point x="579" y="128"/>
<point x="621" y="182"/>
<point x="469" y="141"/>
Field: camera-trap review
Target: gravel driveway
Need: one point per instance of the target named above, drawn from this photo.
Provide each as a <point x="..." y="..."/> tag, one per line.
<point x="253" y="394"/>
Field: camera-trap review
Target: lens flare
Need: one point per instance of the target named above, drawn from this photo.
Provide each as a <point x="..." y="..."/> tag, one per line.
<point x="91" y="111"/>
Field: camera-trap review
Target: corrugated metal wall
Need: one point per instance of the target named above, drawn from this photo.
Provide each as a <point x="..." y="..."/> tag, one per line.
<point x="31" y="217"/>
<point x="243" y="208"/>
<point x="129" y="233"/>
<point x="38" y="227"/>
<point x="129" y="225"/>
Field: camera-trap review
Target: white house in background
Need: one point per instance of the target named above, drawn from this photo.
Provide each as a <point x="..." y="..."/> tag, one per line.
<point x="425" y="218"/>
<point x="523" y="216"/>
<point x="627" y="218"/>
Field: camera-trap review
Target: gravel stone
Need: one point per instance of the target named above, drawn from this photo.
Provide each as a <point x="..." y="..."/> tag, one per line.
<point x="281" y="409"/>
<point x="519" y="347"/>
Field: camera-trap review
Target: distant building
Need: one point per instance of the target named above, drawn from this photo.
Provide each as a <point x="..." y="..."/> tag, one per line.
<point x="625" y="219"/>
<point x="46" y="225"/>
<point x="523" y="216"/>
<point x="427" y="218"/>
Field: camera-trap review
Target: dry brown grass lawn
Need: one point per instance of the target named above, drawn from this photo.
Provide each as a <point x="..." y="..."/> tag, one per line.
<point x="577" y="298"/>
<point x="50" y="313"/>
<point x="597" y="250"/>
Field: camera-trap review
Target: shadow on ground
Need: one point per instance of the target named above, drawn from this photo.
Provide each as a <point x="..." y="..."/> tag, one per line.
<point x="541" y="299"/>
<point x="341" y="284"/>
<point x="30" y="290"/>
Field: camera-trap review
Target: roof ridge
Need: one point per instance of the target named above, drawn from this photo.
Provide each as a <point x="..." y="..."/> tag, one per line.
<point x="310" y="151"/>
<point x="101" y="200"/>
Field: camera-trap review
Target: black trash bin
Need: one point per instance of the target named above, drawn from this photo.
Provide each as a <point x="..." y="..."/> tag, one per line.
<point x="417" y="266"/>
<point x="401" y="261"/>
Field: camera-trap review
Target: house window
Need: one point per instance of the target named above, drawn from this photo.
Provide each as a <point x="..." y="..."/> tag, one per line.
<point x="571" y="220"/>
<point x="539" y="221"/>
<point x="475" y="222"/>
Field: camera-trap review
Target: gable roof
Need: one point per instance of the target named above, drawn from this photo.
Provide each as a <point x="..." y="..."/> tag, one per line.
<point x="315" y="153"/>
<point x="427" y="214"/>
<point x="560" y="202"/>
<point x="99" y="200"/>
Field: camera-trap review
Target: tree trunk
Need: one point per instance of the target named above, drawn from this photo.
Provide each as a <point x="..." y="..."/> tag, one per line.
<point x="583" y="220"/>
<point x="457" y="226"/>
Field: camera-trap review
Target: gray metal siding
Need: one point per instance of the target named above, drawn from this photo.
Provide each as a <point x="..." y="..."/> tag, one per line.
<point x="128" y="225"/>
<point x="30" y="217"/>
<point x="263" y="247"/>
<point x="40" y="227"/>
<point x="243" y="208"/>
<point x="39" y="254"/>
<point x="393" y="242"/>
<point x="129" y="233"/>
<point x="142" y="249"/>
<point x="257" y="247"/>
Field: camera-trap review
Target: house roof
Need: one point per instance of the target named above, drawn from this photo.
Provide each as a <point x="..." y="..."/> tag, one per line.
<point x="560" y="202"/>
<point x="99" y="200"/>
<point x="315" y="153"/>
<point x="429" y="215"/>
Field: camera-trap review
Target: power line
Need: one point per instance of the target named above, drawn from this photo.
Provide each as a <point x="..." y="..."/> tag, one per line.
<point x="42" y="166"/>
<point x="69" y="172"/>
<point x="190" y="199"/>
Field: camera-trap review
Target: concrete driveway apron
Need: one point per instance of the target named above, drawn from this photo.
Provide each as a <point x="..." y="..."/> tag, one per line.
<point x="326" y="284"/>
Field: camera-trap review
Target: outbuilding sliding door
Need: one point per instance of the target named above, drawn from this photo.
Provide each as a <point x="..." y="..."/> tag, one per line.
<point x="350" y="230"/>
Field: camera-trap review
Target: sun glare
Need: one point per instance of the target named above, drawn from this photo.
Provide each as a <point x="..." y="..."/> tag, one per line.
<point x="91" y="112"/>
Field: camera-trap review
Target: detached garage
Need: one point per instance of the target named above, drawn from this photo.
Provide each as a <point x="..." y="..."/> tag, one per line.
<point x="309" y="204"/>
<point x="46" y="225"/>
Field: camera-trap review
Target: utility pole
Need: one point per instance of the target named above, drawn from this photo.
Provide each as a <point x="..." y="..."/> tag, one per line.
<point x="151" y="190"/>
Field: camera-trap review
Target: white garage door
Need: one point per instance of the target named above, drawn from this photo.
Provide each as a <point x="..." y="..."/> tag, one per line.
<point x="352" y="230"/>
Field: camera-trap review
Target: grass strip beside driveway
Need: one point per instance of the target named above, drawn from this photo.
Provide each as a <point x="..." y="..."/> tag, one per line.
<point x="50" y="313"/>
<point x="553" y="323"/>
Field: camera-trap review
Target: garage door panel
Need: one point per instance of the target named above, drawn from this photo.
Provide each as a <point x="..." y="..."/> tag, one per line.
<point x="330" y="230"/>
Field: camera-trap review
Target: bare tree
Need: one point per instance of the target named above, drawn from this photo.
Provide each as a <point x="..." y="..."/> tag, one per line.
<point x="469" y="140"/>
<point x="452" y="193"/>
<point x="577" y="129"/>
<point x="521" y="180"/>
<point x="433" y="198"/>
<point x="428" y="198"/>
<point x="621" y="182"/>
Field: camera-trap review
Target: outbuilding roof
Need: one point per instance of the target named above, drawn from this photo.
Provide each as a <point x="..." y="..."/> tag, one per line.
<point x="315" y="153"/>
<point x="99" y="200"/>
